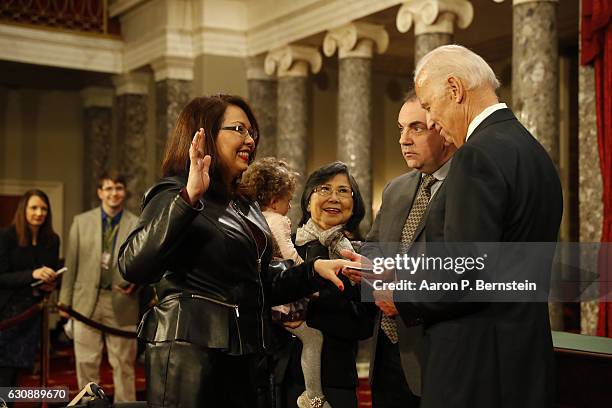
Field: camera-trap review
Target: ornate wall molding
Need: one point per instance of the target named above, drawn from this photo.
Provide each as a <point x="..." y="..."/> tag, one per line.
<point x="94" y="96"/>
<point x="515" y="2"/>
<point x="293" y="61"/>
<point x="134" y="83"/>
<point x="273" y="28"/>
<point x="356" y="40"/>
<point x="256" y="68"/>
<point x="118" y="7"/>
<point x="60" y="49"/>
<point x="173" y="68"/>
<point x="434" y="16"/>
<point x="153" y="29"/>
<point x="218" y="41"/>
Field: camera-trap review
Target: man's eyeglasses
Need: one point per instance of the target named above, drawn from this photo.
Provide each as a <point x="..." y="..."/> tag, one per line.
<point x="111" y="189"/>
<point x="327" y="190"/>
<point x="243" y="131"/>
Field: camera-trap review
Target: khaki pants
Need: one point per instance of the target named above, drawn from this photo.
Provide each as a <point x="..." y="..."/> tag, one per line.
<point x="88" y="345"/>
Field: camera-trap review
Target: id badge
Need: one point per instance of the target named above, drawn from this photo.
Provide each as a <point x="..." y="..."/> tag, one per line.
<point x="105" y="260"/>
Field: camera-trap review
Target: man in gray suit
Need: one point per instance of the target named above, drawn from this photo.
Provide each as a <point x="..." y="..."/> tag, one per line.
<point x="93" y="287"/>
<point x="394" y="368"/>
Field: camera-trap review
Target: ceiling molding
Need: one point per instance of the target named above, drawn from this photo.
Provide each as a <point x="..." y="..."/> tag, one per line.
<point x="118" y="7"/>
<point x="214" y="41"/>
<point x="158" y="44"/>
<point x="60" y="49"/>
<point x="318" y="16"/>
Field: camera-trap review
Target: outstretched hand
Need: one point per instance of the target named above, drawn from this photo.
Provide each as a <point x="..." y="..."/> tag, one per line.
<point x="198" y="179"/>
<point x="363" y="262"/>
<point x="329" y="269"/>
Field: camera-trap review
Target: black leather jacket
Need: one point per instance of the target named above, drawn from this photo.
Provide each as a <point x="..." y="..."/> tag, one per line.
<point x="215" y="287"/>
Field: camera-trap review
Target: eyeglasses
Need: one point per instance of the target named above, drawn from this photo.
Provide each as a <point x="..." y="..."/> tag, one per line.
<point x="327" y="190"/>
<point x="243" y="131"/>
<point x="111" y="189"/>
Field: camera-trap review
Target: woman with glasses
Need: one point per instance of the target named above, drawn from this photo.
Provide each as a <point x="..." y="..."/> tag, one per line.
<point x="208" y="250"/>
<point x="29" y="252"/>
<point x="332" y="208"/>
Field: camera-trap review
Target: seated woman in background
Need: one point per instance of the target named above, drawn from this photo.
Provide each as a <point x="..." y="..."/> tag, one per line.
<point x="29" y="251"/>
<point x="332" y="208"/>
<point x="208" y="249"/>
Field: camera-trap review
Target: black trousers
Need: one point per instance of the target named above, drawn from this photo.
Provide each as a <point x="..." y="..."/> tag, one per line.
<point x="389" y="386"/>
<point x="8" y="376"/>
<point x="181" y="374"/>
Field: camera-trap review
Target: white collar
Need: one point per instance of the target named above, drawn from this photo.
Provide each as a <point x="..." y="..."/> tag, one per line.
<point x="442" y="172"/>
<point x="482" y="116"/>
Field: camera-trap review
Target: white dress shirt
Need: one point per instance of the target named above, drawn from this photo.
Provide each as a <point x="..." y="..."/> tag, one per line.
<point x="439" y="175"/>
<point x="482" y="116"/>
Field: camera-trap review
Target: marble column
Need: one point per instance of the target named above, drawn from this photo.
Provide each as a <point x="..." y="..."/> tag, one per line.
<point x="356" y="43"/>
<point x="292" y="64"/>
<point x="173" y="89"/>
<point x="535" y="70"/>
<point x="97" y="133"/>
<point x="590" y="190"/>
<point x="263" y="97"/>
<point x="434" y="22"/>
<point x="131" y="109"/>
<point x="535" y="83"/>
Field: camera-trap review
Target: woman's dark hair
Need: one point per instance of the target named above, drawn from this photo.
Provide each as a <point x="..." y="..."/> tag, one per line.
<point x="321" y="176"/>
<point x="203" y="112"/>
<point x="46" y="235"/>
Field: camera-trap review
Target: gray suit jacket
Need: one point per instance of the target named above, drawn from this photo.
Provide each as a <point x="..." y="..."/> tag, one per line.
<point x="383" y="240"/>
<point x="81" y="282"/>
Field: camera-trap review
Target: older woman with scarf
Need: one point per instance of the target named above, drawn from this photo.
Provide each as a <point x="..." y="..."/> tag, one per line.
<point x="332" y="208"/>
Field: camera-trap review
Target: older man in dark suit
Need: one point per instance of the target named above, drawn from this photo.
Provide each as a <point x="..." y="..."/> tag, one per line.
<point x="501" y="187"/>
<point x="395" y="373"/>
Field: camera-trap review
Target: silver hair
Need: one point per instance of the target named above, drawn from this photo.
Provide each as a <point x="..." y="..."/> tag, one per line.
<point x="458" y="61"/>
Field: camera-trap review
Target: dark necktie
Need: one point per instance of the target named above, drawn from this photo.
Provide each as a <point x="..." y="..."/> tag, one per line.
<point x="109" y="233"/>
<point x="419" y="206"/>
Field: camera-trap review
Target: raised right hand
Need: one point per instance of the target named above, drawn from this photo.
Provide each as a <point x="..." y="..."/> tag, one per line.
<point x="198" y="179"/>
<point x="45" y="274"/>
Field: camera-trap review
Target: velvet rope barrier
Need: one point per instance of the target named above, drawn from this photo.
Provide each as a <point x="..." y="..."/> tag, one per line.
<point x="21" y="317"/>
<point x="96" y="325"/>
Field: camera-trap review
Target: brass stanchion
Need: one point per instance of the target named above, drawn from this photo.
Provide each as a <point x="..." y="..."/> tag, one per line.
<point x="44" y="349"/>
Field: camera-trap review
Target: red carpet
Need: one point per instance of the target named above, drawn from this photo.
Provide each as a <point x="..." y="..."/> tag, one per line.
<point x="62" y="372"/>
<point x="364" y="394"/>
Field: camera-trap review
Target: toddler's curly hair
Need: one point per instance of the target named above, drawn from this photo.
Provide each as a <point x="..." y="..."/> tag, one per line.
<point x="266" y="179"/>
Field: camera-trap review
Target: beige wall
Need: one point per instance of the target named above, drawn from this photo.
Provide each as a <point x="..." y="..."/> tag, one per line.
<point x="214" y="74"/>
<point x="41" y="140"/>
<point x="323" y="122"/>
